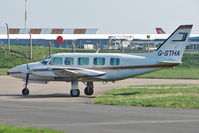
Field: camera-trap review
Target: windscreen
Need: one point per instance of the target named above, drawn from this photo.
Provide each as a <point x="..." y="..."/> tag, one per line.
<point x="46" y="60"/>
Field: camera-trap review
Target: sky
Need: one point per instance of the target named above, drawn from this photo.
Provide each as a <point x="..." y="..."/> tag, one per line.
<point x="109" y="16"/>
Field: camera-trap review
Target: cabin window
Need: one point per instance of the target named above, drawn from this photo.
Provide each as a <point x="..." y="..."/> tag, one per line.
<point x="83" y="61"/>
<point x="56" y="61"/>
<point x="99" y="61"/>
<point x="114" y="61"/>
<point x="69" y="61"/>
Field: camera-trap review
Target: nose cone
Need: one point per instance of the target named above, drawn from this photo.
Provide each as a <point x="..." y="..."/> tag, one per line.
<point x="18" y="71"/>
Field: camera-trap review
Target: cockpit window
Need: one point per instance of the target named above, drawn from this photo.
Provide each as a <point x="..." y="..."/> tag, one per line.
<point x="46" y="60"/>
<point x="56" y="61"/>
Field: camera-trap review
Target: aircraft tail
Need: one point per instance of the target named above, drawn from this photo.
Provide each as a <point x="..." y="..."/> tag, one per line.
<point x="160" y="31"/>
<point x="172" y="49"/>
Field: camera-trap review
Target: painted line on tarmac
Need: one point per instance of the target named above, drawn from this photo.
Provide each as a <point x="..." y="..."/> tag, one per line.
<point x="106" y="123"/>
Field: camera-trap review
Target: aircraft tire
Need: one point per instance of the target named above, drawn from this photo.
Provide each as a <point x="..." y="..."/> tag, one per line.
<point x="25" y="91"/>
<point x="88" y="91"/>
<point x="75" y="93"/>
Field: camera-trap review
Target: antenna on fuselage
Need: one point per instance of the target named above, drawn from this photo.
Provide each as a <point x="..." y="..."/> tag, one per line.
<point x="73" y="47"/>
<point x="97" y="48"/>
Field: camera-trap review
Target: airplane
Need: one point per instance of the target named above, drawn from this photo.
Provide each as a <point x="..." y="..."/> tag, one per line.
<point x="91" y="67"/>
<point x="160" y="31"/>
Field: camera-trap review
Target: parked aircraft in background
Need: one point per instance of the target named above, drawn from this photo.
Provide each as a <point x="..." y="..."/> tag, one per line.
<point x="160" y="31"/>
<point x="90" y="67"/>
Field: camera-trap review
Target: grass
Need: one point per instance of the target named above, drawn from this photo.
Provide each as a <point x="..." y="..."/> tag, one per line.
<point x="3" y="71"/>
<point x="184" y="96"/>
<point x="171" y="73"/>
<point x="9" y="60"/>
<point x="14" y="129"/>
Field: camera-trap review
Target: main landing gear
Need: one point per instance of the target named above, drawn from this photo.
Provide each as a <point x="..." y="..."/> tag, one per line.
<point x="89" y="88"/>
<point x="74" y="92"/>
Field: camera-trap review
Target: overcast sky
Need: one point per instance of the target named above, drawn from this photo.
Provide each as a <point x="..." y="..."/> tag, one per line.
<point x="109" y="16"/>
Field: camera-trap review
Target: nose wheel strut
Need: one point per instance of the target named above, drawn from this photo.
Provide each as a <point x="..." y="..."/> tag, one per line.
<point x="26" y="91"/>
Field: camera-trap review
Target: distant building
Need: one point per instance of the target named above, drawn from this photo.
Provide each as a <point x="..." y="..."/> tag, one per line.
<point x="88" y="39"/>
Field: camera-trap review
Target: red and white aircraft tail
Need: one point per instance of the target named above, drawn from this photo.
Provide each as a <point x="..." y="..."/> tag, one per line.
<point x="160" y="31"/>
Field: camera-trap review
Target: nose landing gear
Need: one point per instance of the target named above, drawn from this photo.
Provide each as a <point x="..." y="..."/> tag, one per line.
<point x="26" y="91"/>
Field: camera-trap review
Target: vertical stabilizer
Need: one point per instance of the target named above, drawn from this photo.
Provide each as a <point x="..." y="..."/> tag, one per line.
<point x="173" y="47"/>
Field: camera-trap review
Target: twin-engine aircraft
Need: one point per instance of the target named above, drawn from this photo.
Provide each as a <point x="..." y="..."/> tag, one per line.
<point x="90" y="67"/>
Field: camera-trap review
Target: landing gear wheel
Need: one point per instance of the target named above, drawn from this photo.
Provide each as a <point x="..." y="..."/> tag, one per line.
<point x="74" y="93"/>
<point x="88" y="91"/>
<point x="25" y="91"/>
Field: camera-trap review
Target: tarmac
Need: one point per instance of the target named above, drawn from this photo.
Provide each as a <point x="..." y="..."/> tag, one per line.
<point x="50" y="106"/>
<point x="10" y="89"/>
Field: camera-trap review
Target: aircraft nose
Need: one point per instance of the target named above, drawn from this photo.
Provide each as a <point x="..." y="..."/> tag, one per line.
<point x="17" y="70"/>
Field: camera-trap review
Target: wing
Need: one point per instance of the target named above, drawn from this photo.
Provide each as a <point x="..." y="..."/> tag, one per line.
<point x="76" y="72"/>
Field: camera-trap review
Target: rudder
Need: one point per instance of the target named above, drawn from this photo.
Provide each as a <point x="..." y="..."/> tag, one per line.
<point x="173" y="47"/>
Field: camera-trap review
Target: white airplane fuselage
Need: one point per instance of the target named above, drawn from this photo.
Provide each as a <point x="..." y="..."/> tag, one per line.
<point x="129" y="65"/>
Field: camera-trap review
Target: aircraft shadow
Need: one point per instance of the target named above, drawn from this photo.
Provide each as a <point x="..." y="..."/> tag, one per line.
<point x="56" y="95"/>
